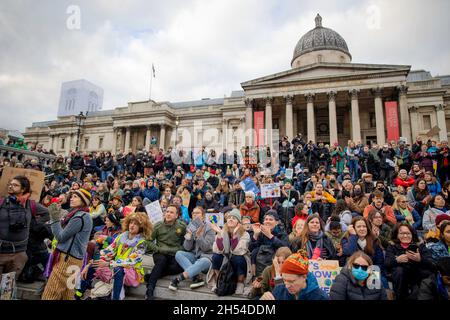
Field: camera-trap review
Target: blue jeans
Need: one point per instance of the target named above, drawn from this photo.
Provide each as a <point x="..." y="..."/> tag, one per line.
<point x="105" y="174"/>
<point x="192" y="265"/>
<point x="238" y="262"/>
<point x="353" y="168"/>
<point x="59" y="178"/>
<point x="119" y="275"/>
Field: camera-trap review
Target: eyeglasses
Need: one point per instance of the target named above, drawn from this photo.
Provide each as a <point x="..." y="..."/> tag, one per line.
<point x="14" y="184"/>
<point x="405" y="234"/>
<point x="358" y="266"/>
<point x="402" y="201"/>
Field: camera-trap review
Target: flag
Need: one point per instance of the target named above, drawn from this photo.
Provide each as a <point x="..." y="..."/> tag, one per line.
<point x="153" y="69"/>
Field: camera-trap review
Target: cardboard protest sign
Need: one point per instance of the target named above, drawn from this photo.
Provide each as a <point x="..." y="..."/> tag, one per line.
<point x="271" y="190"/>
<point x="325" y="272"/>
<point x="249" y="185"/>
<point x="154" y="212"/>
<point x="36" y="180"/>
<point x="289" y="173"/>
<point x="215" y="218"/>
<point x="7" y="284"/>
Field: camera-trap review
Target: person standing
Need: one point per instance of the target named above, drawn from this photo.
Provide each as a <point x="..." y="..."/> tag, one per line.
<point x="15" y="219"/>
<point x="72" y="234"/>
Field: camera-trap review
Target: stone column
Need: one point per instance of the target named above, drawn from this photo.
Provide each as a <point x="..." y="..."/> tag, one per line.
<point x="414" y="121"/>
<point x="289" y="117"/>
<point x="68" y="143"/>
<point x="333" y="117"/>
<point x="249" y="121"/>
<point x="379" y="115"/>
<point x="224" y="134"/>
<point x="310" y="118"/>
<point x="440" y="113"/>
<point x="114" y="141"/>
<point x="356" y="126"/>
<point x="162" y="137"/>
<point x="126" y="147"/>
<point x="52" y="143"/>
<point x="269" y="101"/>
<point x="148" y="136"/>
<point x="404" y="114"/>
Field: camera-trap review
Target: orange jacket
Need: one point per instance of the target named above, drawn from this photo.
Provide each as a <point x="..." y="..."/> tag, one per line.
<point x="252" y="211"/>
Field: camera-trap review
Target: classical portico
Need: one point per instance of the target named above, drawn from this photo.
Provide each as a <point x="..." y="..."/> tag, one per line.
<point x="327" y="98"/>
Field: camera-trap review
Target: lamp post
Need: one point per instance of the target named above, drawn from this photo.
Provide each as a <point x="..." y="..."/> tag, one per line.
<point x="80" y="120"/>
<point x="177" y="123"/>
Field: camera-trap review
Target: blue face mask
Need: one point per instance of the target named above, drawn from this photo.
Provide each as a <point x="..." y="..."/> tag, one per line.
<point x="360" y="274"/>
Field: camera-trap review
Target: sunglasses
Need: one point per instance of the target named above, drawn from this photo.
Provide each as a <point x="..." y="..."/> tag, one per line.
<point x="358" y="266"/>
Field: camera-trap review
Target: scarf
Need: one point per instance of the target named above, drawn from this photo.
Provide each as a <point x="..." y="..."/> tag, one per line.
<point x="405" y="213"/>
<point x="318" y="240"/>
<point x="71" y="214"/>
<point x="362" y="244"/>
<point x="23" y="199"/>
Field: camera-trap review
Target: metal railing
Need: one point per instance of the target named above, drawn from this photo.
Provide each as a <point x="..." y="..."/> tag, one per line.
<point x="9" y="152"/>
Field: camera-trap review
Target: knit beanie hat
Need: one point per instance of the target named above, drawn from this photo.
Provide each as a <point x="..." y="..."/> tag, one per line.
<point x="296" y="264"/>
<point x="84" y="195"/>
<point x="113" y="218"/>
<point x="235" y="213"/>
<point x="272" y="213"/>
<point x="441" y="217"/>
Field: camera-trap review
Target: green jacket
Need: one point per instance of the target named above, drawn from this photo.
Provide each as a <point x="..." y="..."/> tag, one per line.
<point x="59" y="167"/>
<point x="167" y="239"/>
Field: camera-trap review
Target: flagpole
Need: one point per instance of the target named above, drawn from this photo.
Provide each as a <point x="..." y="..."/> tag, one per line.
<point x="151" y="81"/>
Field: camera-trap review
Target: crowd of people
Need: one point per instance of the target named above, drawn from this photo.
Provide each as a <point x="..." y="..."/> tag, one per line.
<point x="377" y="210"/>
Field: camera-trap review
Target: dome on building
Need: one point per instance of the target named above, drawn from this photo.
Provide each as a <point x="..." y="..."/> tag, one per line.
<point x="319" y="39"/>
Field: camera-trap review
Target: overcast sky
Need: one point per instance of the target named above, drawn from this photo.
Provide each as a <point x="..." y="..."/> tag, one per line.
<point x="199" y="48"/>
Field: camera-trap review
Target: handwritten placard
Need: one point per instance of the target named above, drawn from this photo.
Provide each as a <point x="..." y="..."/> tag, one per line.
<point x="36" y="180"/>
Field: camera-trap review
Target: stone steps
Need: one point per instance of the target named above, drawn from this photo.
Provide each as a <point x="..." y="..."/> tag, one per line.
<point x="31" y="291"/>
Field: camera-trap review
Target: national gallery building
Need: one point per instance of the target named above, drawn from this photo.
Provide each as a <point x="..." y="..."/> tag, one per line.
<point x="324" y="96"/>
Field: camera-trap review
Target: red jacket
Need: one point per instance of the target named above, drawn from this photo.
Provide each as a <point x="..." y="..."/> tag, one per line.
<point x="408" y="182"/>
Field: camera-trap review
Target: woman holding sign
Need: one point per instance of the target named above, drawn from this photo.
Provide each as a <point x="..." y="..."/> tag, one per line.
<point x="234" y="240"/>
<point x="196" y="258"/>
<point x="358" y="281"/>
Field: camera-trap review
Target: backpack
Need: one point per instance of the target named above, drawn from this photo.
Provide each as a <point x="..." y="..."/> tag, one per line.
<point x="226" y="280"/>
<point x="264" y="258"/>
<point x="32" y="206"/>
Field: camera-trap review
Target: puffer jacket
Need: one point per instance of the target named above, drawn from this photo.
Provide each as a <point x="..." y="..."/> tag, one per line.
<point x="345" y="287"/>
<point x="279" y="239"/>
<point x="202" y="246"/>
<point x="311" y="292"/>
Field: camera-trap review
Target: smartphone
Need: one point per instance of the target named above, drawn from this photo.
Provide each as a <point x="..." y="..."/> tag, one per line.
<point x="413" y="247"/>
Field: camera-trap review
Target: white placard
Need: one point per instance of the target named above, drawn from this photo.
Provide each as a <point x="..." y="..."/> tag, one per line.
<point x="154" y="212"/>
<point x="289" y="173"/>
<point x="271" y="190"/>
<point x="215" y="218"/>
<point x="7" y="284"/>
